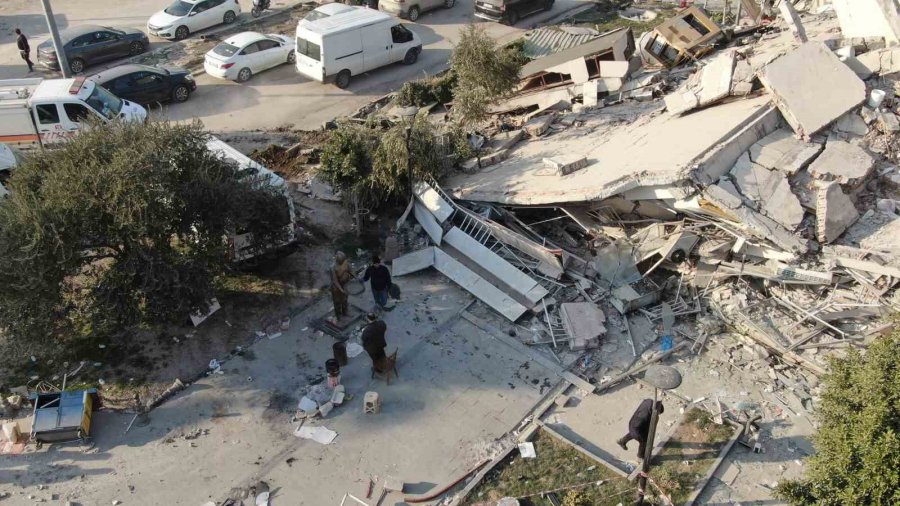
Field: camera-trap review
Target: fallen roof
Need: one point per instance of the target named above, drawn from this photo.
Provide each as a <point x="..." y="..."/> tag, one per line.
<point x="547" y="40"/>
<point x="661" y="150"/>
<point x="605" y="42"/>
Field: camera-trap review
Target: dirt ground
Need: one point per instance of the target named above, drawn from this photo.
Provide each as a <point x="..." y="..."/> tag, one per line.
<point x="687" y="455"/>
<point x="556" y="465"/>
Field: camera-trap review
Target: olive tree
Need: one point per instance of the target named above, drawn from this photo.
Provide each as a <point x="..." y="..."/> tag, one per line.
<point x="857" y="458"/>
<point x="126" y="223"/>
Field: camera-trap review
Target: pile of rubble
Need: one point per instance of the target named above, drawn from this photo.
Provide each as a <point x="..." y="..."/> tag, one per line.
<point x="744" y="176"/>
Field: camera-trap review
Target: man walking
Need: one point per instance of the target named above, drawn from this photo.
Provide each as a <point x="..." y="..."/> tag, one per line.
<point x="380" y="278"/>
<point x="639" y="425"/>
<point x="373" y="341"/>
<point x="340" y="276"/>
<point x="24" y="49"/>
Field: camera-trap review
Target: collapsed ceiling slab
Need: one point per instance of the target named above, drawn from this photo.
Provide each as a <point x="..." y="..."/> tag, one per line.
<point x="658" y="151"/>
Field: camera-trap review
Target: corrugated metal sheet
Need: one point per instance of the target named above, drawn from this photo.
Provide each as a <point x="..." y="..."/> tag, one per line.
<point x="551" y="39"/>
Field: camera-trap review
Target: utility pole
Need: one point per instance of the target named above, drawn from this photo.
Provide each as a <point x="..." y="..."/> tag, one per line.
<point x="662" y="377"/>
<point x="57" y="43"/>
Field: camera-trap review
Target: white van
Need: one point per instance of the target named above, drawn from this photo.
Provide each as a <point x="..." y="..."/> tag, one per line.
<point x="352" y="42"/>
<point x="41" y="112"/>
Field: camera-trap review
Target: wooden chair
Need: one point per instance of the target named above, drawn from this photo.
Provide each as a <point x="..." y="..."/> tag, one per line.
<point x="387" y="366"/>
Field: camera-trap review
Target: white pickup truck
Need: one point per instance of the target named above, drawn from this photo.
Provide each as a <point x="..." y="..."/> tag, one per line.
<point x="40" y="112"/>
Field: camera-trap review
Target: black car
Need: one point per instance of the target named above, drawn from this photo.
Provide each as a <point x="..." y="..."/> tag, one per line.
<point x="89" y="44"/>
<point x="509" y="11"/>
<point x="145" y="84"/>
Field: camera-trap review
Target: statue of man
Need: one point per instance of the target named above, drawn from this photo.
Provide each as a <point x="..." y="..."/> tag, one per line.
<point x="340" y="276"/>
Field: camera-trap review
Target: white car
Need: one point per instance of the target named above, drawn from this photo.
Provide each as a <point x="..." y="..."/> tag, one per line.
<point x="185" y="17"/>
<point x="248" y="53"/>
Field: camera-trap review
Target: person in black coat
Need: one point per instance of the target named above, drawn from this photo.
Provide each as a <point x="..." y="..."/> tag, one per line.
<point x="379" y="277"/>
<point x="373" y="340"/>
<point x="639" y="425"/>
<point x="24" y="49"/>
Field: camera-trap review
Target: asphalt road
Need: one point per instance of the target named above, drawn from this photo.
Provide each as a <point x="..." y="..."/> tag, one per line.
<point x="277" y="97"/>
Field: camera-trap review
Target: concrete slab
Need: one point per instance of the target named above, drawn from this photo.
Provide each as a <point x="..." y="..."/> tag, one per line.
<point x="880" y="61"/>
<point x="812" y="87"/>
<point x="432" y="200"/>
<point x="868" y="18"/>
<point x="614" y="69"/>
<point x="706" y="86"/>
<point x="565" y="165"/>
<point x="658" y="150"/>
<point x="770" y="190"/>
<point x="795" y="25"/>
<point x="504" y="271"/>
<point x="834" y="212"/>
<point x="589" y="94"/>
<point x="429" y="222"/>
<point x="851" y="123"/>
<point x="584" y="323"/>
<point x="413" y="262"/>
<point x="781" y="150"/>
<point x="478" y="286"/>
<point x="843" y="162"/>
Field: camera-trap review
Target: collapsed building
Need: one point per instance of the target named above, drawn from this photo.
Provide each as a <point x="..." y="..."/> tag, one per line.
<point x="755" y="186"/>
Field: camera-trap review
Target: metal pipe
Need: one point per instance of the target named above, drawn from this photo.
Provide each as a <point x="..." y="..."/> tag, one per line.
<point x="57" y="43"/>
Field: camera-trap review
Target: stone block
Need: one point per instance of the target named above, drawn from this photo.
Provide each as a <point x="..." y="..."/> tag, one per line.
<point x="888" y="122"/>
<point x="564" y="165"/>
<point x="536" y="126"/>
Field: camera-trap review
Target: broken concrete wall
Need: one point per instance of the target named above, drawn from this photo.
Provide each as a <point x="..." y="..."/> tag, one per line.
<point x="868" y="18"/>
<point x="812" y="87"/>
<point x="834" y="212"/>
<point x="718" y="160"/>
<point x="706" y="86"/>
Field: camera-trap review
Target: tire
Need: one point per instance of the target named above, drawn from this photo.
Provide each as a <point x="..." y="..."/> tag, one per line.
<point x="76" y="65"/>
<point x="448" y="4"/>
<point x="182" y="32"/>
<point x="254" y="12"/>
<point x="413" y="13"/>
<point x="292" y="57"/>
<point x="229" y="18"/>
<point x="181" y="93"/>
<point x="136" y="48"/>
<point x="512" y="18"/>
<point x="411" y="56"/>
<point x="244" y="75"/>
<point x="343" y="79"/>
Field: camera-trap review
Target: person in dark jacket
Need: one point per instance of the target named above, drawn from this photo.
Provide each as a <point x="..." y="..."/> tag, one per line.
<point x="373" y="340"/>
<point x="380" y="279"/>
<point x="24" y="49"/>
<point x="639" y="425"/>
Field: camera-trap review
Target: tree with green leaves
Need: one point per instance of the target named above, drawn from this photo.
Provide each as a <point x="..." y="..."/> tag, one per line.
<point x="371" y="164"/>
<point x="857" y="458"/>
<point x="126" y="223"/>
<point x="484" y="73"/>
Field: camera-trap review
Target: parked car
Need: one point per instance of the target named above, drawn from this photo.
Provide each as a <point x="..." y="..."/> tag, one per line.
<point x="89" y="44"/>
<point x="509" y="11"/>
<point x="145" y="84"/>
<point x="351" y="43"/>
<point x="185" y="17"/>
<point x="411" y="9"/>
<point x="248" y="53"/>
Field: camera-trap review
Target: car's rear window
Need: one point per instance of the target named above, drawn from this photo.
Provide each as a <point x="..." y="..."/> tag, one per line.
<point x="179" y="8"/>
<point x="225" y="49"/>
<point x="309" y="49"/>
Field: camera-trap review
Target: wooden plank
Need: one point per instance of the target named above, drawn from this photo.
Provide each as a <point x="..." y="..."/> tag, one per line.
<point x="528" y="352"/>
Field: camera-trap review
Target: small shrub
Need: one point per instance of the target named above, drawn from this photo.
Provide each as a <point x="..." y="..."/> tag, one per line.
<point x="576" y="498"/>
